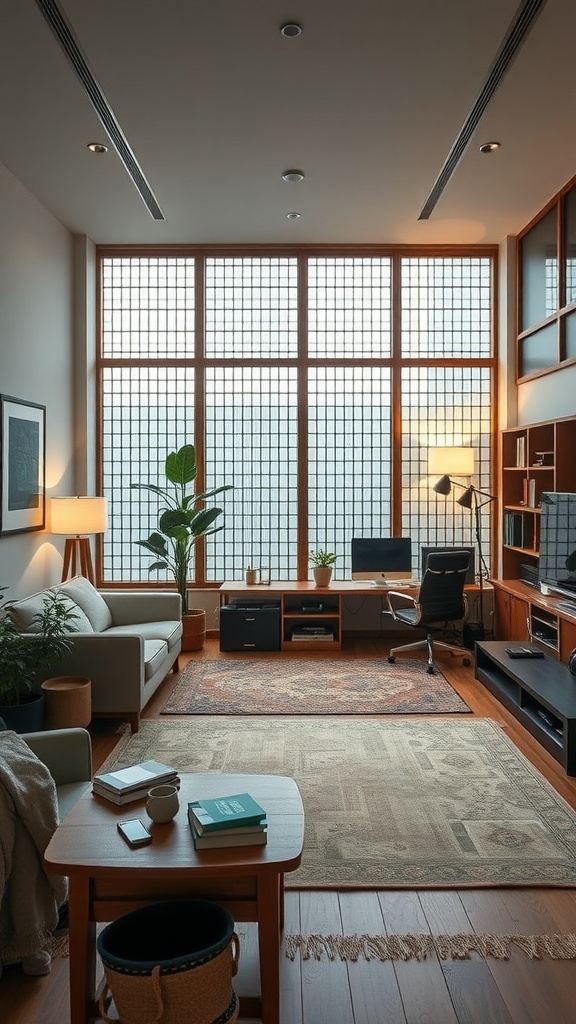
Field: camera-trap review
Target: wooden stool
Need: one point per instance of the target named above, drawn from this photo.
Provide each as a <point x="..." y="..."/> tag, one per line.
<point x="68" y="702"/>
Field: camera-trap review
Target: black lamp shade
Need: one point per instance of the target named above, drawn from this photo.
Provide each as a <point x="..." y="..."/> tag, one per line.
<point x="466" y="499"/>
<point x="443" y="485"/>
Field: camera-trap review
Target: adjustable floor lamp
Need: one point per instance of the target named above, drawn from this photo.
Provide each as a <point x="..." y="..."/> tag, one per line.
<point x="460" y="462"/>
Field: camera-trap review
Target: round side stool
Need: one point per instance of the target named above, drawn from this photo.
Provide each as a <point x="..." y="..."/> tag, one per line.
<point x="67" y="702"/>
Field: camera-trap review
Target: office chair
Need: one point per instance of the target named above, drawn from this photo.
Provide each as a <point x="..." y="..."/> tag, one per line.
<point x="441" y="600"/>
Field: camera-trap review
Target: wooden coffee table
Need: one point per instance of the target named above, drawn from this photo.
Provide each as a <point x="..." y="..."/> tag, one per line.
<point x="108" y="878"/>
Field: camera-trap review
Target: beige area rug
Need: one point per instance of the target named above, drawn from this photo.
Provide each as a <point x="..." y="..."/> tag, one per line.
<point x="390" y="803"/>
<point x="312" y="686"/>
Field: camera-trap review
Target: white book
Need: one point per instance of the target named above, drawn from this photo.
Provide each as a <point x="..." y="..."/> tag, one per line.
<point x="128" y="797"/>
<point x="147" y="773"/>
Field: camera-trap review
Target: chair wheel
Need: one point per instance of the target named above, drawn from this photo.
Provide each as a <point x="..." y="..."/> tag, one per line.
<point x="391" y="658"/>
<point x="466" y="661"/>
<point x="430" y="670"/>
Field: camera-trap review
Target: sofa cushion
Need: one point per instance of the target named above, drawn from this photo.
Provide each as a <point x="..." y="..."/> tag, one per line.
<point x="154" y="653"/>
<point x="169" y="630"/>
<point x="90" y="601"/>
<point x="24" y="612"/>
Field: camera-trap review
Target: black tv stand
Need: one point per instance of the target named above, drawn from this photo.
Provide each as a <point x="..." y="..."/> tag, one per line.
<point x="539" y="692"/>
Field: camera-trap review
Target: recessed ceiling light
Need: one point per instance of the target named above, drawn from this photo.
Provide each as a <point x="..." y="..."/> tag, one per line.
<point x="293" y="215"/>
<point x="293" y="176"/>
<point x="291" y="29"/>
<point x="490" y="147"/>
<point x="97" y="147"/>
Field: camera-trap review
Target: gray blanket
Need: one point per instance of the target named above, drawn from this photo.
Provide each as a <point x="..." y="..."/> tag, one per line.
<point x="29" y="897"/>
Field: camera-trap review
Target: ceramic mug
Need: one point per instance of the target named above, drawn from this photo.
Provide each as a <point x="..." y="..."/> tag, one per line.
<point x="162" y="803"/>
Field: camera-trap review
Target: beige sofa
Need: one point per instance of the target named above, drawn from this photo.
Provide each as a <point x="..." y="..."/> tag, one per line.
<point x="125" y="642"/>
<point x="67" y="754"/>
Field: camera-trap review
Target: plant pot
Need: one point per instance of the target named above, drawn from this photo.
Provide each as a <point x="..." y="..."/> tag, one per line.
<point x="27" y="716"/>
<point x="193" y="629"/>
<point x="68" y="702"/>
<point x="322" y="575"/>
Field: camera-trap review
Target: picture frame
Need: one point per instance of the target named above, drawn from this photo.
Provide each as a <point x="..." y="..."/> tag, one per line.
<point x="22" y="465"/>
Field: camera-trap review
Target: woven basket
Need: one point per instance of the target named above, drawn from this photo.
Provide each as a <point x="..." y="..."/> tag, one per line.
<point x="173" y="963"/>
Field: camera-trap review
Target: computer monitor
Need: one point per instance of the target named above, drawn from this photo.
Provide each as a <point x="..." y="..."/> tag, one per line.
<point x="381" y="558"/>
<point x="470" y="575"/>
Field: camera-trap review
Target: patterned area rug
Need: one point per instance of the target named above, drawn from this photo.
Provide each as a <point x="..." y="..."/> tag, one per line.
<point x="390" y="803"/>
<point x="287" y="686"/>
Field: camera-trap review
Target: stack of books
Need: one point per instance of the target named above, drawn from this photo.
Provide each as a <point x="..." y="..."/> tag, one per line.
<point x="227" y="821"/>
<point x="129" y="784"/>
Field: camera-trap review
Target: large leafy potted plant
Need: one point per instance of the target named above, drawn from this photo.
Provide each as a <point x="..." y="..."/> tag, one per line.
<point x="23" y="654"/>
<point x="183" y="519"/>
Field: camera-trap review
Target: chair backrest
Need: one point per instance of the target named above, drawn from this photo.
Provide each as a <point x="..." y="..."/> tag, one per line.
<point x="441" y="595"/>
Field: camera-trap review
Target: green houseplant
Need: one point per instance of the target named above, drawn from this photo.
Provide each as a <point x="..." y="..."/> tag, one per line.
<point x="23" y="654"/>
<point x="183" y="519"/>
<point x="322" y="562"/>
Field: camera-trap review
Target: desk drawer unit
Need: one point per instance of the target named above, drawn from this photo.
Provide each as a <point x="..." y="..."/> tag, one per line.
<point x="244" y="628"/>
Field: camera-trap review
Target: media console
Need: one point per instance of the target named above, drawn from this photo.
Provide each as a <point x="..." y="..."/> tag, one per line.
<point x="539" y="692"/>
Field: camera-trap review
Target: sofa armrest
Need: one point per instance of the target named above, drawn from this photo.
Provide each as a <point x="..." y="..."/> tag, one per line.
<point x="67" y="753"/>
<point x="127" y="607"/>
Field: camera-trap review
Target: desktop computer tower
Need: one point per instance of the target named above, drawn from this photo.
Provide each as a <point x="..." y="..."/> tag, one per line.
<point x="250" y="627"/>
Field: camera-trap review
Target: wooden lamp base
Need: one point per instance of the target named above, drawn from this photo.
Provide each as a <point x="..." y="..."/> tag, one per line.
<point x="78" y="559"/>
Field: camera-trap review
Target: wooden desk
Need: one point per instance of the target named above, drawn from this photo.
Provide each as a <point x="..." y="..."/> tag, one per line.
<point x="108" y="878"/>
<point x="291" y="594"/>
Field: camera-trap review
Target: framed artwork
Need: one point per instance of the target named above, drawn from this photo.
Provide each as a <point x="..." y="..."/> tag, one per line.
<point x="22" y="462"/>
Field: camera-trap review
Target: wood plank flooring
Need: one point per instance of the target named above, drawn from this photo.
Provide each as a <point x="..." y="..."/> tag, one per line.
<point x="431" y="991"/>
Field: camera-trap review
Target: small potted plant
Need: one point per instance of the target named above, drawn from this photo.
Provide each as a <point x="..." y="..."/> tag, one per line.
<point x="322" y="562"/>
<point x="23" y="654"/>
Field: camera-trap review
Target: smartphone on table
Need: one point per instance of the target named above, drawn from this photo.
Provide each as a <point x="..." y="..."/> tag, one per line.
<point x="134" y="832"/>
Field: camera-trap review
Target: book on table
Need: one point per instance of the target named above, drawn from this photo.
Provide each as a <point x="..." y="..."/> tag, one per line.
<point x="239" y="810"/>
<point x="145" y="774"/>
<point x="252" y="835"/>
<point x="130" y="795"/>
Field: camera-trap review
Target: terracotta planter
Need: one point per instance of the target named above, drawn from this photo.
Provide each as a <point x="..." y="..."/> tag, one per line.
<point x="68" y="702"/>
<point x="322" y="575"/>
<point x="193" y="629"/>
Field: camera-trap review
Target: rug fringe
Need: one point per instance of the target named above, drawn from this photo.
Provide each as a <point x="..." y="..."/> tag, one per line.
<point x="419" y="947"/>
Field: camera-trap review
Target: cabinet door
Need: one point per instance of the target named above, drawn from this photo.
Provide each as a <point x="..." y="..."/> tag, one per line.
<point x="519" y="611"/>
<point x="511" y="614"/>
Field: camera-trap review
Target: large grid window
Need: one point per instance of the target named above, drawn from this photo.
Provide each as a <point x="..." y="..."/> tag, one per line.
<point x="303" y="386"/>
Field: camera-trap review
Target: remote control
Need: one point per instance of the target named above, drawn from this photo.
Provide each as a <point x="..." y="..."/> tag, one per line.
<point x="524" y="652"/>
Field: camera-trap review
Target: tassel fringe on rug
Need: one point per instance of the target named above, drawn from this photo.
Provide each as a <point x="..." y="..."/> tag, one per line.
<point x="418" y="947"/>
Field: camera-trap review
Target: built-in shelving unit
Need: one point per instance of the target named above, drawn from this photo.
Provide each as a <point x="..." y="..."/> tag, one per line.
<point x="535" y="458"/>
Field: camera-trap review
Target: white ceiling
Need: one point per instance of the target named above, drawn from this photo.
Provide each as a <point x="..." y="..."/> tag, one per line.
<point x="215" y="104"/>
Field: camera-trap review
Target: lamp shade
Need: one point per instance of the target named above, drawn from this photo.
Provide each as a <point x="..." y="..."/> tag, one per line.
<point x="451" y="461"/>
<point x="466" y="499"/>
<point x="76" y="515"/>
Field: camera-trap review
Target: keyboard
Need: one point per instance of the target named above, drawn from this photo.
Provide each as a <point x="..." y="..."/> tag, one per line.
<point x="390" y="584"/>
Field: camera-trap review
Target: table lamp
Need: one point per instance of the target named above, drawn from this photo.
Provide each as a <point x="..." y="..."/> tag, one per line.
<point x="78" y="516"/>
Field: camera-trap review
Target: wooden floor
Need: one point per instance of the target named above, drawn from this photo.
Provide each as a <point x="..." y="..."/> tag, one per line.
<point x="474" y="991"/>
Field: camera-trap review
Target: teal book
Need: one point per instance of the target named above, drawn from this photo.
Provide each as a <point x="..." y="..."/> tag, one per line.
<point x="225" y="812"/>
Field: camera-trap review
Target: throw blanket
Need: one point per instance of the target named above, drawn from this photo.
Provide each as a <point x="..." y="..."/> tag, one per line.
<point x="29" y="897"/>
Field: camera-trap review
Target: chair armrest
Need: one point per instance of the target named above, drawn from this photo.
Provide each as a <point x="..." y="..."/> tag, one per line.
<point x="67" y="753"/>
<point x="130" y="606"/>
<point x="398" y="599"/>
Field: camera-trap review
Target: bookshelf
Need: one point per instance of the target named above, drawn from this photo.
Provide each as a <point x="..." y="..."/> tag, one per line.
<point x="535" y="458"/>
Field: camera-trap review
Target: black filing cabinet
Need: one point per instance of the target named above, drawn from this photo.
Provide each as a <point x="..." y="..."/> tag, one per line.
<point x="250" y="627"/>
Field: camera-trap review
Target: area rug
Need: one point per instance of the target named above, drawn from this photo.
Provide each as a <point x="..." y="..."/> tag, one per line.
<point x="289" y="686"/>
<point x="390" y="803"/>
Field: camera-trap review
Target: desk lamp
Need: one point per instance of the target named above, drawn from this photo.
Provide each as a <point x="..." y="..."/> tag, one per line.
<point x="78" y="515"/>
<point x="460" y="462"/>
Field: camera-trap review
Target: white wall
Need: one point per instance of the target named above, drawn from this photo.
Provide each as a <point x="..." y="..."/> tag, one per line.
<point x="36" y="346"/>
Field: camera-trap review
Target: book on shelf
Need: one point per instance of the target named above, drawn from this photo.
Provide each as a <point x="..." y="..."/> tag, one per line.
<point x="145" y="774"/>
<point x="532" y="493"/>
<point x="227" y="837"/>
<point x="521" y="451"/>
<point x="225" y="812"/>
<point x="311" y="636"/>
<point x="130" y="795"/>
